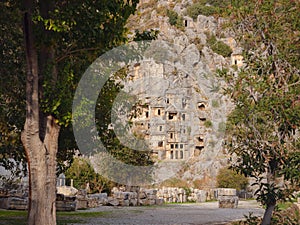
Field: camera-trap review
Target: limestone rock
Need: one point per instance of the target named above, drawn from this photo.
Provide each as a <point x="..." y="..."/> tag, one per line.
<point x="228" y="201"/>
<point x="112" y="201"/>
<point x="67" y="190"/>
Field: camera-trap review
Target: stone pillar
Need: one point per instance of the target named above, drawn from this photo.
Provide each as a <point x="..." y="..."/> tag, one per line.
<point x="72" y="184"/>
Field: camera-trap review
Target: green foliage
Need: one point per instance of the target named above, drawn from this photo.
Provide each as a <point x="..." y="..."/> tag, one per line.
<point x="208" y="124"/>
<point x="289" y="214"/>
<point x="228" y="178"/>
<point x="175" y="182"/>
<point x="262" y="127"/>
<point x="175" y="19"/>
<point x="68" y="37"/>
<point x="219" y="47"/>
<point x="82" y="173"/>
<point x="12" y="86"/>
<point x="201" y="9"/>
<point x="146" y="35"/>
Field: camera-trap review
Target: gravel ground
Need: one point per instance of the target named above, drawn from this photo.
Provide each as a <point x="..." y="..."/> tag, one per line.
<point x="179" y="214"/>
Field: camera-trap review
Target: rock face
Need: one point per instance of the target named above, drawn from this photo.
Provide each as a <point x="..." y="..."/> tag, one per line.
<point x="182" y="111"/>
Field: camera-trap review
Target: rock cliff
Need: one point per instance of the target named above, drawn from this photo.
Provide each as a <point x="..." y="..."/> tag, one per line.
<point x="183" y="113"/>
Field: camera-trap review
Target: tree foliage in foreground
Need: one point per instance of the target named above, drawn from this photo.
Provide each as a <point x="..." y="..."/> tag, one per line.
<point x="54" y="43"/>
<point x="263" y="129"/>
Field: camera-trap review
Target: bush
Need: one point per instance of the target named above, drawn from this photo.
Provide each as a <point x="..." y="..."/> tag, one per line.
<point x="174" y="18"/>
<point x="175" y="182"/>
<point x="219" y="47"/>
<point x="82" y="173"/>
<point x="208" y="124"/>
<point x="228" y="178"/>
<point x="199" y="9"/>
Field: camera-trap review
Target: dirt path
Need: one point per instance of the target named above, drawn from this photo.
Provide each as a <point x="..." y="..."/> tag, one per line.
<point x="181" y="214"/>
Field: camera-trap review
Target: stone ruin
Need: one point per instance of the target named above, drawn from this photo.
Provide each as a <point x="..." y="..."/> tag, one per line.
<point x="71" y="199"/>
<point x="13" y="199"/>
<point x="227" y="198"/>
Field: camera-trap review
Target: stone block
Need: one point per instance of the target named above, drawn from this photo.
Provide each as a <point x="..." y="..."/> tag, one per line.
<point x="82" y="204"/>
<point x="65" y="205"/>
<point x="159" y="201"/>
<point x="112" y="201"/>
<point x="4" y="203"/>
<point x="67" y="190"/>
<point x="92" y="203"/>
<point x="151" y="196"/>
<point x="144" y="202"/>
<point x="132" y="202"/>
<point x="228" y="201"/>
<point x="18" y="203"/>
<point x="201" y="196"/>
<point x="143" y="195"/>
<point x="226" y="192"/>
<point x="126" y="202"/>
<point x="152" y="202"/>
<point x="100" y="198"/>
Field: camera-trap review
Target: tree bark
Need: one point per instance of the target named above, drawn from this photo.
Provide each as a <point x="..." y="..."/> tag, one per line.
<point x="271" y="201"/>
<point x="268" y="215"/>
<point x="40" y="154"/>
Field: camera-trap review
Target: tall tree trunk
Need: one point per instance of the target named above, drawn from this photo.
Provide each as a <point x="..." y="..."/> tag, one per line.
<point x="41" y="154"/>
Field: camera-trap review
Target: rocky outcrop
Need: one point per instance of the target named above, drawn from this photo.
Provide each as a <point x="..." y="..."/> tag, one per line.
<point x="193" y="57"/>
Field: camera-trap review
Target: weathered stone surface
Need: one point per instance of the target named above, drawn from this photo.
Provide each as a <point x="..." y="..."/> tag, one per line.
<point x="66" y="205"/>
<point x="201" y="196"/>
<point x="81" y="204"/>
<point x="159" y="201"/>
<point x="191" y="56"/>
<point x="228" y="201"/>
<point x="95" y="200"/>
<point x="133" y="202"/>
<point x="67" y="190"/>
<point x="14" y="203"/>
<point x="112" y="201"/>
<point x="206" y="23"/>
<point x="226" y="192"/>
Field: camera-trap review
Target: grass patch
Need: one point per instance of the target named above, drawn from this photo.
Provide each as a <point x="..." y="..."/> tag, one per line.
<point x="82" y="214"/>
<point x="179" y="203"/>
<point x="14" y="217"/>
<point x="284" y="205"/>
<point x="12" y="213"/>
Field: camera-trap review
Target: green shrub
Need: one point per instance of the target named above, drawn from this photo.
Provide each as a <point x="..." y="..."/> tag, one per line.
<point x="174" y="18"/>
<point x="175" y="182"/>
<point x="228" y="178"/>
<point x="208" y="123"/>
<point x="219" y="47"/>
<point x="218" y="3"/>
<point x="82" y="173"/>
<point x="199" y="9"/>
